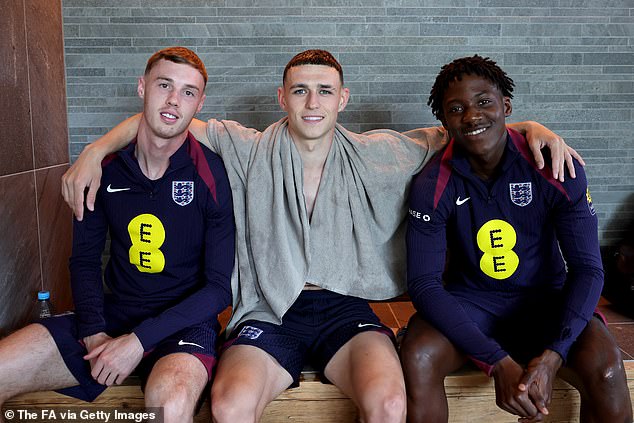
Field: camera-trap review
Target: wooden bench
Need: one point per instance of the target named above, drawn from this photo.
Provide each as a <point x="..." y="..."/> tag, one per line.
<point x="471" y="399"/>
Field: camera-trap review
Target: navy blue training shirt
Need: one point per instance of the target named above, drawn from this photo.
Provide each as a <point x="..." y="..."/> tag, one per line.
<point x="506" y="240"/>
<point x="172" y="245"/>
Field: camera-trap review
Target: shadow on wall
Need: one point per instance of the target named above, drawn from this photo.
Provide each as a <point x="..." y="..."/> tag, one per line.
<point x="618" y="261"/>
<point x="622" y="222"/>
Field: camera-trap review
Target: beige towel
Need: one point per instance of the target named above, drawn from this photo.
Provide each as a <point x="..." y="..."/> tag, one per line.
<point x="354" y="244"/>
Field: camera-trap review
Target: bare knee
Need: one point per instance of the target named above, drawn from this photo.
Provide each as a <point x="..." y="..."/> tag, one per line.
<point x="228" y="405"/>
<point x="176" y="400"/>
<point x="611" y="395"/>
<point x="247" y="380"/>
<point x="604" y="389"/>
<point x="387" y="407"/>
<point x="419" y="359"/>
<point x="425" y="360"/>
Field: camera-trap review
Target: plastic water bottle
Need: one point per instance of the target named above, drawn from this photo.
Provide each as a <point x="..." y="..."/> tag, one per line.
<point x="44" y="307"/>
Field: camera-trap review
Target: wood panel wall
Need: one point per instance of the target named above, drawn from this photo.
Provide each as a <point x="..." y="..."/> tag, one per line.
<point x="35" y="224"/>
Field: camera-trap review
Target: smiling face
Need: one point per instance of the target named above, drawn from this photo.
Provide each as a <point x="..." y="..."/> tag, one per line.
<point x="312" y="96"/>
<point x="172" y="94"/>
<point x="474" y="113"/>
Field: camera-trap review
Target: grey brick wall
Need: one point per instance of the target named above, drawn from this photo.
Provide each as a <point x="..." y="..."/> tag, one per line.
<point x="572" y="61"/>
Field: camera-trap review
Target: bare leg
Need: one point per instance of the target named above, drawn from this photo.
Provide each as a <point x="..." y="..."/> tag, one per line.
<point x="367" y="369"/>
<point x="30" y="361"/>
<point x="597" y="372"/>
<point x="248" y="379"/>
<point x="175" y="384"/>
<point x="427" y="357"/>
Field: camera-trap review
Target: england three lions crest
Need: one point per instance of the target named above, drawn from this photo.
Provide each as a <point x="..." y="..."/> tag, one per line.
<point x="182" y="192"/>
<point x="521" y="193"/>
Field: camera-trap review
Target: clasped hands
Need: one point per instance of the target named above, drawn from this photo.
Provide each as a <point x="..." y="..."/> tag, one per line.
<point x="526" y="392"/>
<point x="112" y="359"/>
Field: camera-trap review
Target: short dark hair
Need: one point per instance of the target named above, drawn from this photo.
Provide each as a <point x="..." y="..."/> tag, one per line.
<point x="181" y="55"/>
<point x="314" y="57"/>
<point x="475" y="65"/>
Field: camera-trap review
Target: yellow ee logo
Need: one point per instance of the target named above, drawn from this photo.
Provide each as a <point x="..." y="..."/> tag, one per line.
<point x="496" y="239"/>
<point x="147" y="234"/>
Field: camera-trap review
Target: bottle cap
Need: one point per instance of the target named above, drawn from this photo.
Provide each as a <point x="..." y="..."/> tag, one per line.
<point x="43" y="295"/>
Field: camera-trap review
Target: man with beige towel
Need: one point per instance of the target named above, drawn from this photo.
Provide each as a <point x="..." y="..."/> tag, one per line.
<point x="320" y="215"/>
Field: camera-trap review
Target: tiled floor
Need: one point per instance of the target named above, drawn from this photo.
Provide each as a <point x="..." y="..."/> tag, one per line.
<point x="396" y="315"/>
<point x="621" y="327"/>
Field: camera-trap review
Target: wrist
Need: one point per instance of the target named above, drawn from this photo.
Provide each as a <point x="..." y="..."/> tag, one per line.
<point x="522" y="127"/>
<point x="90" y="339"/>
<point x="93" y="336"/>
<point x="552" y="358"/>
<point x="499" y="365"/>
<point x="138" y="340"/>
<point x="135" y="337"/>
<point x="97" y="151"/>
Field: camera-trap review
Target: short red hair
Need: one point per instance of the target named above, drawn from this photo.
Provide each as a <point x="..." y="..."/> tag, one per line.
<point x="181" y="55"/>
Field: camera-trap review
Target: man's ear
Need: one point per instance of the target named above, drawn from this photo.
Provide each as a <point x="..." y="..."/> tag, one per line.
<point x="343" y="101"/>
<point x="508" y="107"/>
<point x="281" y="99"/>
<point x="200" y="104"/>
<point x="140" y="89"/>
<point x="441" y="118"/>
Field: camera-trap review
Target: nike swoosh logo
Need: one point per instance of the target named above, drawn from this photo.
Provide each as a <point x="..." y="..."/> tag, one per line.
<point x="362" y="325"/>
<point x="181" y="342"/>
<point x="460" y="202"/>
<point x="110" y="189"/>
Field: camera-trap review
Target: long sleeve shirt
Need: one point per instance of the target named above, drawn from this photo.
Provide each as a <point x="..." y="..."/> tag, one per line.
<point x="172" y="245"/>
<point x="506" y="240"/>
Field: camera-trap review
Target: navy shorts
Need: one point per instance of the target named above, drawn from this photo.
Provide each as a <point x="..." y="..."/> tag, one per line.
<point x="318" y="324"/>
<point x="525" y="328"/>
<point x="198" y="340"/>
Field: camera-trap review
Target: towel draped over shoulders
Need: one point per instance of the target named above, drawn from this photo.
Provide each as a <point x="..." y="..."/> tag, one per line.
<point x="353" y="244"/>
